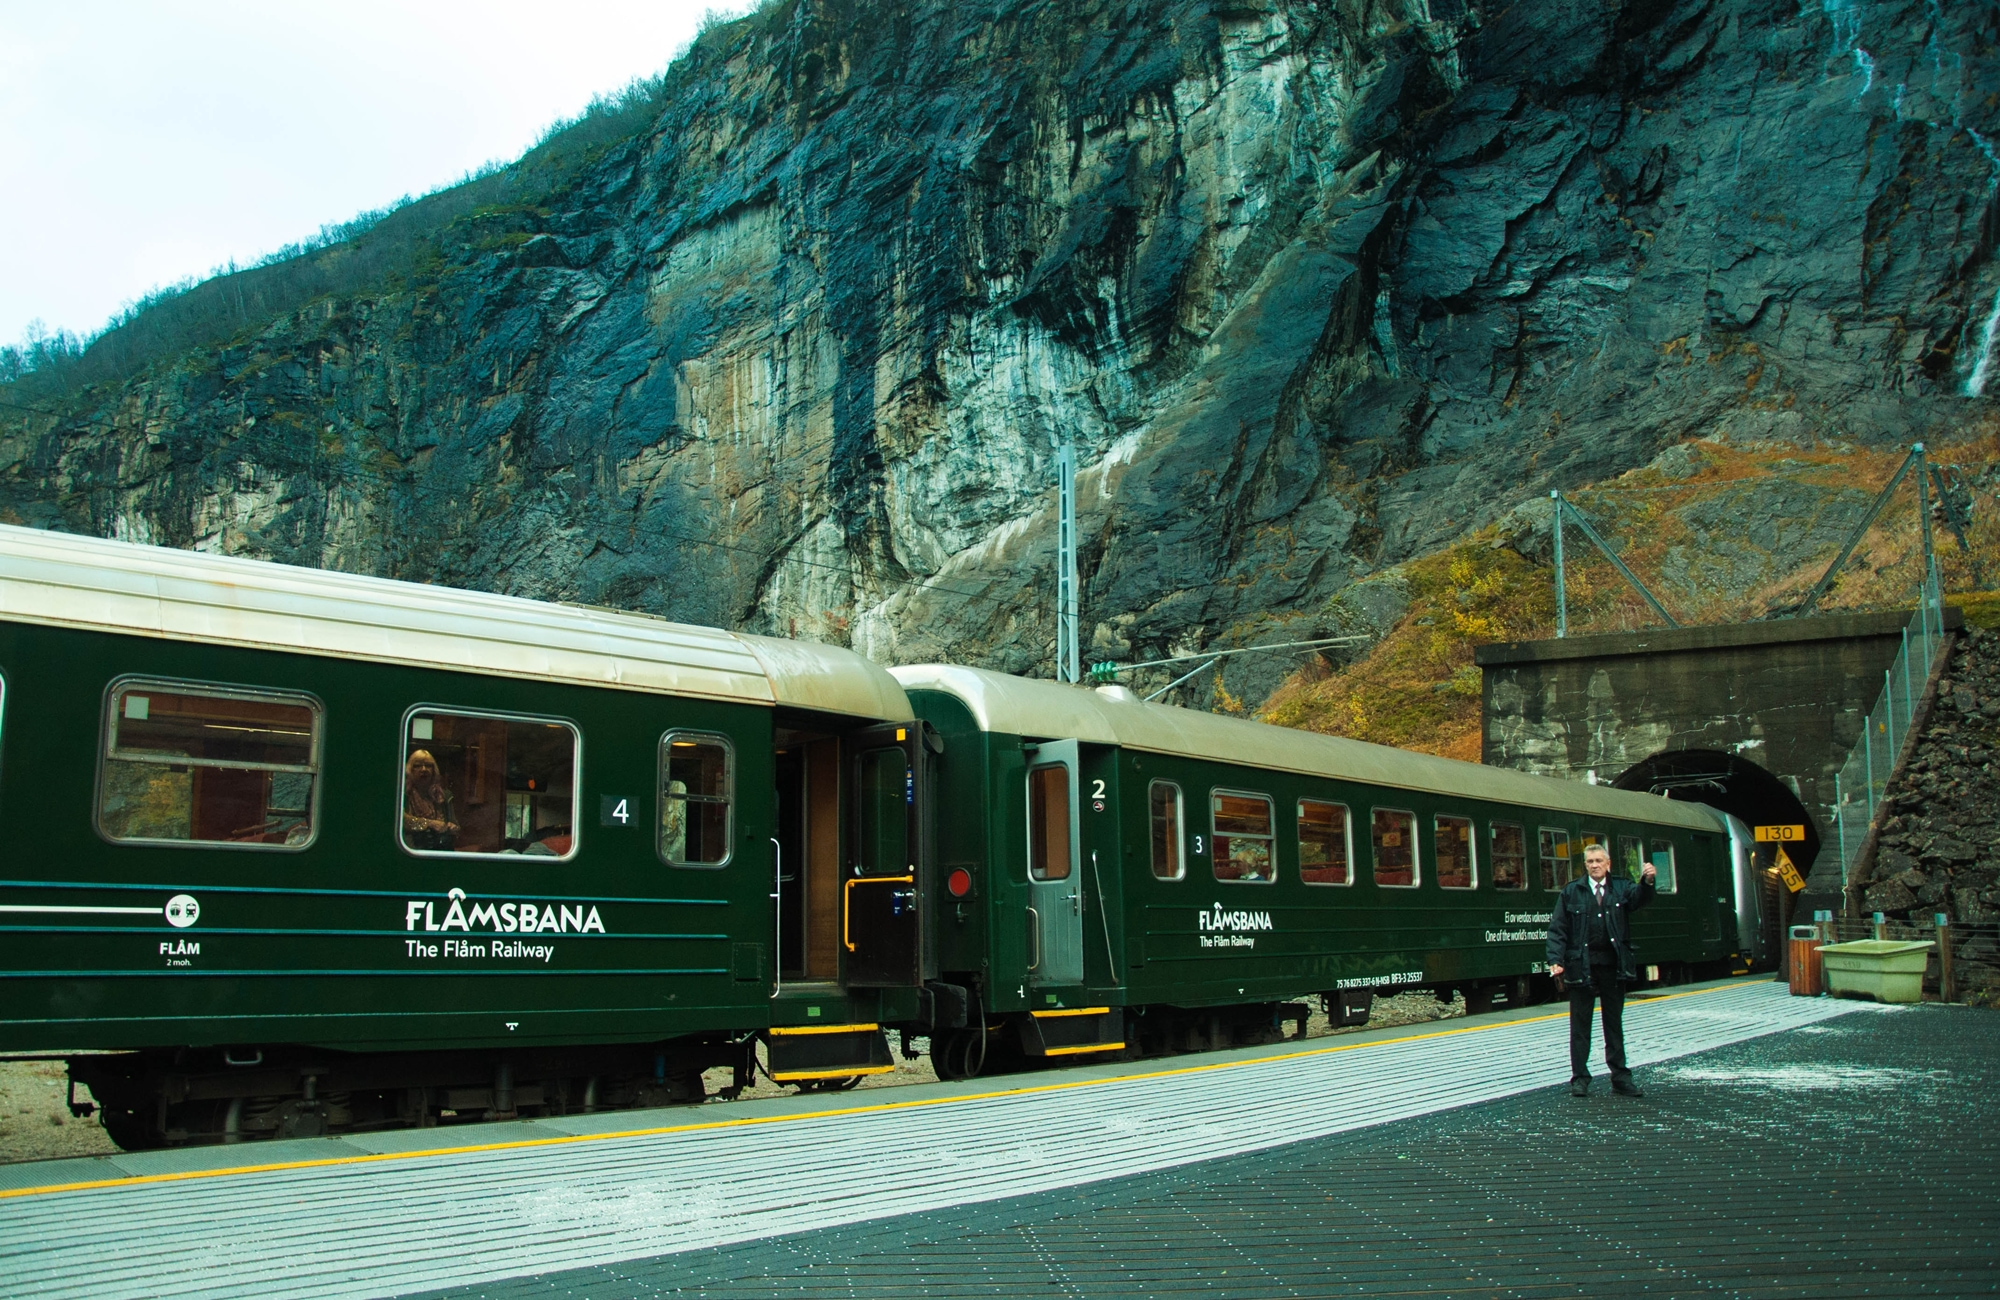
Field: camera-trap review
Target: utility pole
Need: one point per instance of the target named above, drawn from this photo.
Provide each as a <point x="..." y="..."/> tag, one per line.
<point x="1068" y="653"/>
<point x="1562" y="593"/>
<point x="1924" y="517"/>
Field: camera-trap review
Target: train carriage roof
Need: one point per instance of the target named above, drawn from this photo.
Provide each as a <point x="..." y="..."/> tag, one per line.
<point x="62" y="580"/>
<point x="1115" y="716"/>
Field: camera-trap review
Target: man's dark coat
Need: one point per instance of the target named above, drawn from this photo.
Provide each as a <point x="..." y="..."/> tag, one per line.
<point x="1569" y="926"/>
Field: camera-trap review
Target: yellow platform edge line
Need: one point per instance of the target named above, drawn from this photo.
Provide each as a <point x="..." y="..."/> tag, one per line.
<point x="138" y="1180"/>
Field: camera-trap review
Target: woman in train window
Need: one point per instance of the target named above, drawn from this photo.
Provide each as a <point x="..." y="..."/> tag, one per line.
<point x="427" y="822"/>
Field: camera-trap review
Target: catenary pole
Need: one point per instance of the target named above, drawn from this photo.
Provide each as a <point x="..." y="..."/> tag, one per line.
<point x="1068" y="653"/>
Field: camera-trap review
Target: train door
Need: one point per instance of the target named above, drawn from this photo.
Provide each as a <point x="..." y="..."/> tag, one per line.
<point x="1098" y="859"/>
<point x="806" y="875"/>
<point x="882" y="936"/>
<point x="1055" y="882"/>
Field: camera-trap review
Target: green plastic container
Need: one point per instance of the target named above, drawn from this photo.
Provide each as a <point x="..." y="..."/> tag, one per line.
<point x="1881" y="970"/>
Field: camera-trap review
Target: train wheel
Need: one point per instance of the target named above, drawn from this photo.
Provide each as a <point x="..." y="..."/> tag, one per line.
<point x="949" y="1055"/>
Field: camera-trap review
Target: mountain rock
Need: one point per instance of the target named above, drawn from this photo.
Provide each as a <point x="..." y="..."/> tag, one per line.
<point x="1314" y="288"/>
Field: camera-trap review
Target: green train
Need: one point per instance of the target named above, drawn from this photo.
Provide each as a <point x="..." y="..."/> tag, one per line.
<point x="301" y="852"/>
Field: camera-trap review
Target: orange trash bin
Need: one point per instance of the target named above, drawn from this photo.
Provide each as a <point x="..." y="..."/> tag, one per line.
<point x="1807" y="972"/>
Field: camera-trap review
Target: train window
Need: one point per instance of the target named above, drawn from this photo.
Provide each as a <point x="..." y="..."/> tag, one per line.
<point x="1509" y="858"/>
<point x="1631" y="856"/>
<point x="1323" y="843"/>
<point x="1242" y="827"/>
<point x="1048" y="822"/>
<point x="187" y="764"/>
<point x="1451" y="847"/>
<point x="1555" y="857"/>
<point x="1663" y="862"/>
<point x="485" y="783"/>
<point x="1169" y="838"/>
<point x="1395" y="835"/>
<point x="696" y="783"/>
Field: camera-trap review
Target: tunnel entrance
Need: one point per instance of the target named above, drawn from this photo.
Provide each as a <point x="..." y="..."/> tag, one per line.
<point x="1733" y="784"/>
<point x="1728" y="782"/>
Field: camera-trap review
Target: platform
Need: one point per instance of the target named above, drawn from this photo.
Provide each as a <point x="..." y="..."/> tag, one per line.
<point x="1329" y="1167"/>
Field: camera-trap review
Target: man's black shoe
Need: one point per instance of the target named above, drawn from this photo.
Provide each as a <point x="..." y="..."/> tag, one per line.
<point x="1626" y="1088"/>
<point x="1579" y="1087"/>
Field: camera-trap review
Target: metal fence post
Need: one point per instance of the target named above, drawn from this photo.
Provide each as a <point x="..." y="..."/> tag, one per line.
<point x="1909" y="691"/>
<point x="1947" y="986"/>
<point x="1840" y="824"/>
<point x="1868" y="740"/>
<point x="1889" y="721"/>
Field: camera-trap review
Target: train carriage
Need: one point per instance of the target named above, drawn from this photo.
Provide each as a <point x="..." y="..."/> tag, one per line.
<point x="309" y="849"/>
<point x="298" y="852"/>
<point x="1139" y="877"/>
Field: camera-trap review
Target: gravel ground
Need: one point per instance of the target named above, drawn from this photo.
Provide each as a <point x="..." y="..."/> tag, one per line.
<point x="35" y="1123"/>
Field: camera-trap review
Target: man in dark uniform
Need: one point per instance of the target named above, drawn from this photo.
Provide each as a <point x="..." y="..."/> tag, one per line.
<point x="1590" y="948"/>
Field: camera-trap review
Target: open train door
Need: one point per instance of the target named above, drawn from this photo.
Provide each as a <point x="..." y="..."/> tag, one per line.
<point x="887" y="870"/>
<point x="1055" y="881"/>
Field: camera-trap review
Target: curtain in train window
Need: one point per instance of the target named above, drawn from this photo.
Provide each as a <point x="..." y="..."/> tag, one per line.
<point x="484" y="783"/>
<point x="1323" y="843"/>
<point x="1164" y="800"/>
<point x="1663" y="860"/>
<point x="1585" y="842"/>
<point x="1451" y="846"/>
<point x="1242" y="829"/>
<point x="1395" y="837"/>
<point x="1508" y="860"/>
<point x="1555" y="857"/>
<point x="695" y="790"/>
<point x="188" y="764"/>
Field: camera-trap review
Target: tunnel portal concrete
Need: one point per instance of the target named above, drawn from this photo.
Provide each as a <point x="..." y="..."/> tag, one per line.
<point x="1784" y="697"/>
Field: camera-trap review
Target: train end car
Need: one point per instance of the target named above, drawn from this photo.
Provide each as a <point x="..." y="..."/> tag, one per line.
<point x="1131" y="877"/>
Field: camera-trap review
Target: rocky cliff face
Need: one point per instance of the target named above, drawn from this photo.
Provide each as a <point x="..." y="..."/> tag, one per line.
<point x="1315" y="288"/>
<point x="1939" y="849"/>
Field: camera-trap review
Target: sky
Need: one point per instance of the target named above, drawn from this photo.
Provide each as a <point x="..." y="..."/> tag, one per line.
<point x="146" y="141"/>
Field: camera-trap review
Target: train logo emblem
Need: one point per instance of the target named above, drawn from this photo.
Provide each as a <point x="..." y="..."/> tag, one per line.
<point x="182" y="911"/>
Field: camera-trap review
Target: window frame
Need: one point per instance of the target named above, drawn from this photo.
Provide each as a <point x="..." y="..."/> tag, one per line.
<point x="728" y="799"/>
<point x="1618" y="866"/>
<point x="1493" y="856"/>
<point x="404" y="740"/>
<point x="1416" y="850"/>
<point x="1471" y="849"/>
<point x="1347" y="823"/>
<point x="1180" y="829"/>
<point x="1672" y="874"/>
<point x="1568" y="858"/>
<point x="1271" y="809"/>
<point x="107" y="730"/>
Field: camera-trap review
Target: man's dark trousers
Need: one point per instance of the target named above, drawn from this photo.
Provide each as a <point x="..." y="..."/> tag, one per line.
<point x="1605" y="986"/>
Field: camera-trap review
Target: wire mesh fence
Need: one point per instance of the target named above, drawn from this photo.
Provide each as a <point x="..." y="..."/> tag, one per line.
<point x="1863" y="779"/>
